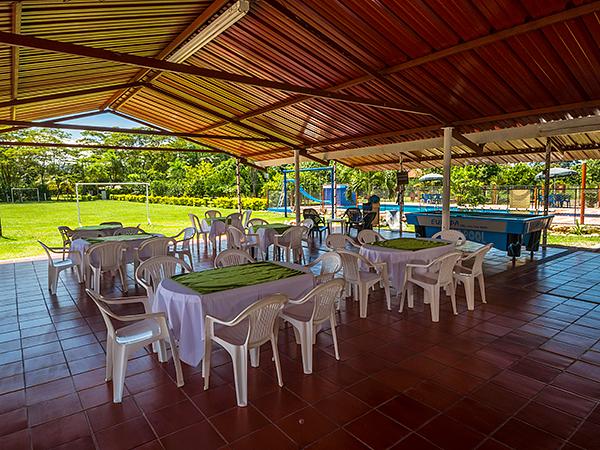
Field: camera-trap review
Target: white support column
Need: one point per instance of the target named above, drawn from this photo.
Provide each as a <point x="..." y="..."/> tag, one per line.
<point x="333" y="189"/>
<point x="447" y="169"/>
<point x="297" y="186"/>
<point x="148" y="204"/>
<point x="238" y="184"/>
<point x="77" y="200"/>
<point x="548" y="160"/>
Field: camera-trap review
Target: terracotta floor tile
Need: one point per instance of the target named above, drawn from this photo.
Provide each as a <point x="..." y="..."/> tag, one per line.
<point x="585" y="370"/>
<point x="372" y="392"/>
<point x="279" y="404"/>
<point x="111" y="414"/>
<point x="457" y="380"/>
<point x="578" y="385"/>
<point x="159" y="397"/>
<point x="477" y="415"/>
<point x="535" y="370"/>
<point x="377" y="430"/>
<point x="20" y="440"/>
<point x="548" y="419"/>
<point x="267" y="437"/>
<point x="83" y="443"/>
<point x="397" y="378"/>
<point x="306" y="426"/>
<point x="53" y="409"/>
<point x="414" y="442"/>
<point x="342" y="375"/>
<point x="125" y="435"/>
<point x="518" y="383"/>
<point x="565" y="401"/>
<point x="433" y="395"/>
<point x="13" y="421"/>
<point x="215" y="399"/>
<point x="238" y="422"/>
<point x="174" y="417"/>
<point x="312" y="388"/>
<point x="339" y="439"/>
<point x="499" y="398"/>
<point x="550" y="359"/>
<point x="519" y="435"/>
<point x="587" y="436"/>
<point x="187" y="439"/>
<point x="60" y="431"/>
<point x="450" y="434"/>
<point x="409" y="412"/>
<point x="341" y="407"/>
<point x="11" y="401"/>
<point x="48" y="391"/>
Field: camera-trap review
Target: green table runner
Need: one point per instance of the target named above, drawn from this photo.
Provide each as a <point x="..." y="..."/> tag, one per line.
<point x="278" y="227"/>
<point x="122" y="237"/>
<point x="409" y="244"/>
<point x="97" y="227"/>
<point x="225" y="278"/>
<point x="215" y="219"/>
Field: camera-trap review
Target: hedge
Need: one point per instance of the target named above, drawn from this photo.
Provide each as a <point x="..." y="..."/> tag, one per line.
<point x="218" y="202"/>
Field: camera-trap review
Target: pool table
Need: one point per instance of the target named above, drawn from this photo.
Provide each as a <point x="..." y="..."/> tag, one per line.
<point x="507" y="231"/>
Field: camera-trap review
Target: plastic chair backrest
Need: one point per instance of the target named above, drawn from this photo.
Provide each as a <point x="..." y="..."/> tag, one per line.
<point x="195" y="221"/>
<point x="337" y="241"/>
<point x="369" y="237"/>
<point x="451" y="235"/>
<point x="128" y="231"/>
<point x="350" y="265"/>
<point x="261" y="316"/>
<point x="478" y="258"/>
<point x="324" y="297"/>
<point x="331" y="263"/>
<point x="353" y="214"/>
<point x="106" y="254"/>
<point x="212" y="213"/>
<point x="48" y="253"/>
<point x="105" y="311"/>
<point x="234" y="237"/>
<point x="246" y="217"/>
<point x="153" y="270"/>
<point x="157" y="246"/>
<point x="112" y="223"/>
<point x="188" y="235"/>
<point x="66" y="234"/>
<point x="368" y="218"/>
<point x="445" y="264"/>
<point x="235" y="219"/>
<point x="306" y="213"/>
<point x="256" y="222"/>
<point x="232" y="257"/>
<point x="292" y="237"/>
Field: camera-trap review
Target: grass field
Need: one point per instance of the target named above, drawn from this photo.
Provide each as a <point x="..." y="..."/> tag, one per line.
<point x="24" y="224"/>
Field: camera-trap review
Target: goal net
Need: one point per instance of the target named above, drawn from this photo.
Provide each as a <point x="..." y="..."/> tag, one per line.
<point x="21" y="195"/>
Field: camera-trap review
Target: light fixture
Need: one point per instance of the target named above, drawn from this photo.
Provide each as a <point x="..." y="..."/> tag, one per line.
<point x="234" y="13"/>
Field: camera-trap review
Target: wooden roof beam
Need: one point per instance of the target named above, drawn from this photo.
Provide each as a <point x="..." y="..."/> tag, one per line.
<point x="99" y="146"/>
<point x="14" y="57"/>
<point x="50" y="124"/>
<point x="533" y="25"/>
<point x="56" y="120"/>
<point x="67" y="94"/>
<point x="477" y="148"/>
<point x="21" y="40"/>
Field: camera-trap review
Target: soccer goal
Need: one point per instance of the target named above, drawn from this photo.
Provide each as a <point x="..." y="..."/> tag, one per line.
<point x="129" y="183"/>
<point x="24" y="194"/>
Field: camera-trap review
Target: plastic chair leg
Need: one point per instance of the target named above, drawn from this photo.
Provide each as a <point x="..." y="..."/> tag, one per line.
<point x="334" y="336"/>
<point x="239" y="356"/>
<point x="255" y="356"/>
<point x="162" y="351"/>
<point x="206" y="361"/>
<point x="119" y="370"/>
<point x="276" y="359"/>
<point x="52" y="280"/>
<point x="123" y="276"/>
<point x="453" y="298"/>
<point x="386" y="288"/>
<point x="109" y="358"/>
<point x="411" y="295"/>
<point x="363" y="298"/>
<point x="434" y="303"/>
<point x="469" y="284"/>
<point x="481" y="287"/>
<point x="176" y="362"/>
<point x="306" y="344"/>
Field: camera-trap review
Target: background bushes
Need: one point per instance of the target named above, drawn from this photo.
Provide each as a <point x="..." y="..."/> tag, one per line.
<point x="217" y="202"/>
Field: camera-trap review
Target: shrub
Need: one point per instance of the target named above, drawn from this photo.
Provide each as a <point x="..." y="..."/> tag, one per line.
<point x="218" y="202"/>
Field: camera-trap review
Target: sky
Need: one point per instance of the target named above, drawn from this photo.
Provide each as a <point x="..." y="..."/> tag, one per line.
<point x="104" y="120"/>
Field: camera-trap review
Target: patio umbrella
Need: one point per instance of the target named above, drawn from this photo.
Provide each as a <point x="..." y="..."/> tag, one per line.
<point x="431" y="177"/>
<point x="556" y="172"/>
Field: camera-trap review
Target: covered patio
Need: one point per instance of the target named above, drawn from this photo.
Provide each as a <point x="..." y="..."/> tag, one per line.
<point x="376" y="86"/>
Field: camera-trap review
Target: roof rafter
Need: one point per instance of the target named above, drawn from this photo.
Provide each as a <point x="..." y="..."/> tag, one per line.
<point x="56" y="120"/>
<point x="477" y="148"/>
<point x="49" y="124"/>
<point x="473" y="44"/>
<point x="14" y="57"/>
<point x="21" y="40"/>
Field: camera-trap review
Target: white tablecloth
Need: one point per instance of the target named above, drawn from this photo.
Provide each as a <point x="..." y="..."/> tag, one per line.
<point x="79" y="246"/>
<point x="397" y="259"/>
<point x="94" y="233"/>
<point x="186" y="309"/>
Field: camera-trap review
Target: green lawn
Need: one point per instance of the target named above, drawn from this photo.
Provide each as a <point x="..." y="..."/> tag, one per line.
<point x="24" y="224"/>
<point x="574" y="240"/>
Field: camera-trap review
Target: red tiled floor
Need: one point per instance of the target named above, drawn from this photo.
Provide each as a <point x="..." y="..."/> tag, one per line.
<point x="522" y="369"/>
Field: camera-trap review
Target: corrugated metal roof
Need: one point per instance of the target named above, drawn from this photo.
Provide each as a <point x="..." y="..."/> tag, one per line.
<point x="475" y="64"/>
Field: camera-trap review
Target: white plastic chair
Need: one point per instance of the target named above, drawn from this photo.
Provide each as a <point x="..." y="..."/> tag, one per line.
<point x="183" y="244"/>
<point x="291" y="243"/>
<point x="235" y="220"/>
<point x="307" y="313"/>
<point x="331" y="264"/>
<point x="143" y="330"/>
<point x="56" y="267"/>
<point x="246" y="217"/>
<point x="451" y="235"/>
<point x="338" y="241"/>
<point x="369" y="237"/>
<point x="66" y="235"/>
<point x="119" y="224"/>
<point x="255" y="223"/>
<point x="232" y="257"/>
<point x="152" y="271"/>
<point x="200" y="231"/>
<point x="437" y="275"/>
<point x="238" y="240"/>
<point x="102" y="258"/>
<point x="363" y="280"/>
<point x="253" y="327"/>
<point x="156" y="246"/>
<point x="128" y="231"/>
<point x="471" y="271"/>
<point x="212" y="214"/>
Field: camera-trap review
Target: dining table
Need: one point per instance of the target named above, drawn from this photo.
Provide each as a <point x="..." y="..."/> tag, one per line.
<point x="223" y="293"/>
<point x="95" y="230"/>
<point x="397" y="253"/>
<point x="266" y="234"/>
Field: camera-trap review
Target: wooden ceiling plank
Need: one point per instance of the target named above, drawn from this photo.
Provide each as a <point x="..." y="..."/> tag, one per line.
<point x="14" y="57"/>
